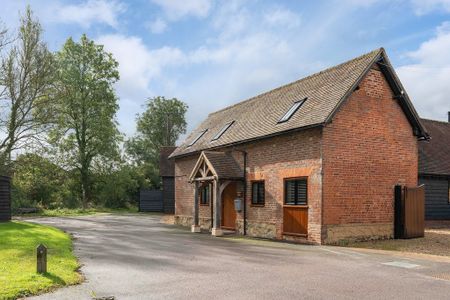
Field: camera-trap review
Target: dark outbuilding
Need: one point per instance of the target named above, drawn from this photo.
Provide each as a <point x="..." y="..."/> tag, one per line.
<point x="167" y="173"/>
<point x="434" y="169"/>
<point x="5" y="198"/>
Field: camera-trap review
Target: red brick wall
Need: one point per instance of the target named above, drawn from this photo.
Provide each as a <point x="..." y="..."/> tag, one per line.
<point x="290" y="155"/>
<point x="368" y="148"/>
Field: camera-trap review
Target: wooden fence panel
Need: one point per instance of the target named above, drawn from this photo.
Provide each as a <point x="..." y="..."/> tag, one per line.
<point x="414" y="212"/>
<point x="295" y="220"/>
<point x="5" y="198"/>
<point x="151" y="201"/>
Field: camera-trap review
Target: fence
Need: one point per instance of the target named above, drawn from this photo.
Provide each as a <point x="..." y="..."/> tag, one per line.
<point x="151" y="201"/>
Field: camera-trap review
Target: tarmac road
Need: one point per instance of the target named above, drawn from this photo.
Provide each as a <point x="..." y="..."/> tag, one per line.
<point x="137" y="257"/>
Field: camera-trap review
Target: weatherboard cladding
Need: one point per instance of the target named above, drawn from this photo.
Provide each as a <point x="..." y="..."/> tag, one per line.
<point x="258" y="116"/>
<point x="434" y="155"/>
<point x="5" y="198"/>
<point x="166" y="165"/>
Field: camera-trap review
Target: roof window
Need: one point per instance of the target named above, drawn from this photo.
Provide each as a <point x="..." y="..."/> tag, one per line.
<point x="222" y="131"/>
<point x="197" y="137"/>
<point x="292" y="110"/>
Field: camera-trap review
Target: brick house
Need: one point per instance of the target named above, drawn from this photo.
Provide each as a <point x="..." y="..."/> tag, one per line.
<point x="315" y="160"/>
<point x="434" y="169"/>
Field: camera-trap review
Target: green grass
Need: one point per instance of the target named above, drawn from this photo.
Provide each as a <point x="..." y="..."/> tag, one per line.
<point x="18" y="242"/>
<point x="67" y="212"/>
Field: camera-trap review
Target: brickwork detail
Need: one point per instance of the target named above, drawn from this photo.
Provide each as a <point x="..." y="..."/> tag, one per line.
<point x="352" y="166"/>
<point x="367" y="149"/>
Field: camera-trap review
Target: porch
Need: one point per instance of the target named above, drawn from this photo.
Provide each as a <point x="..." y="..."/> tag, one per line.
<point x="218" y="177"/>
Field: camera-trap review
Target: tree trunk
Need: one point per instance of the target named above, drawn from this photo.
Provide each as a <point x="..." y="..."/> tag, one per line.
<point x="85" y="188"/>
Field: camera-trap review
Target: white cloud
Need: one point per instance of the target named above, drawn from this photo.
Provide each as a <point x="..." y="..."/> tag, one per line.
<point x="157" y="26"/>
<point x="282" y="17"/>
<point x="427" y="79"/>
<point x="87" y="13"/>
<point x="176" y="9"/>
<point x="138" y="66"/>
<point x="422" y="7"/>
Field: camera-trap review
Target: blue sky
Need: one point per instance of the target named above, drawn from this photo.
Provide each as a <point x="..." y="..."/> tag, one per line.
<point x="211" y="54"/>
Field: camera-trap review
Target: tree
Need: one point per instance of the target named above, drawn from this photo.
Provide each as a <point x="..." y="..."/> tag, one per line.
<point x="161" y="124"/>
<point x="39" y="182"/>
<point x="26" y="74"/>
<point x="85" y="108"/>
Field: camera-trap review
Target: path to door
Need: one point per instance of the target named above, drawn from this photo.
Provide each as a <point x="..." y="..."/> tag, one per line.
<point x="137" y="257"/>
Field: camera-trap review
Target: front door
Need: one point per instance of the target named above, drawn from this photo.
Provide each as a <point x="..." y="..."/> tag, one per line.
<point x="228" y="211"/>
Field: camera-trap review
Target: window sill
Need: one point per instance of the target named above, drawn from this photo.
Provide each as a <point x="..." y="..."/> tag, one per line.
<point x="296" y="206"/>
<point x="206" y="204"/>
<point x="304" y="235"/>
<point x="257" y="205"/>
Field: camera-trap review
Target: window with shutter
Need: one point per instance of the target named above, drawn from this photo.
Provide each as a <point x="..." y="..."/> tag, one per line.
<point x="296" y="191"/>
<point x="258" y="193"/>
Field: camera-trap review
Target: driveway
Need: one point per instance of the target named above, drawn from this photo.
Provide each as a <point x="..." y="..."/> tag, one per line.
<point x="137" y="257"/>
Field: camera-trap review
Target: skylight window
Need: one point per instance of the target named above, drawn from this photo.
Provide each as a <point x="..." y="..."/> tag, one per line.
<point x="222" y="131"/>
<point x="197" y="137"/>
<point x="292" y="110"/>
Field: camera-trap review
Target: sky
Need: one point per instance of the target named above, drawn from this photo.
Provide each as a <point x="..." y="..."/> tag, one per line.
<point x="211" y="54"/>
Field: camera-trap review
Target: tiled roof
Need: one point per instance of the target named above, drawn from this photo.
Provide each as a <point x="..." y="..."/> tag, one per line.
<point x="258" y="117"/>
<point x="224" y="164"/>
<point x="166" y="165"/>
<point x="434" y="155"/>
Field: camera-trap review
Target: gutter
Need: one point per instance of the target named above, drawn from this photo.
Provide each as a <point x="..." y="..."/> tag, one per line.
<point x="320" y="125"/>
<point x="245" y="189"/>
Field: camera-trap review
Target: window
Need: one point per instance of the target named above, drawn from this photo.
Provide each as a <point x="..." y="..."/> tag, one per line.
<point x="295" y="192"/>
<point x="205" y="194"/>
<point x="258" y="193"/>
<point x="222" y="131"/>
<point x="292" y="110"/>
<point x="197" y="137"/>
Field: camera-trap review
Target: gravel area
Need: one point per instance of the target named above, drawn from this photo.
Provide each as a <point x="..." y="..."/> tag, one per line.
<point x="435" y="242"/>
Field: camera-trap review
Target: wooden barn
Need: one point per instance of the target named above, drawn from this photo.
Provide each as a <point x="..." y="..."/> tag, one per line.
<point x="434" y="169"/>
<point x="5" y="199"/>
<point x="167" y="173"/>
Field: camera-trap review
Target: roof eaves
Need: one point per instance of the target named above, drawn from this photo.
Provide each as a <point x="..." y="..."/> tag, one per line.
<point x="388" y="71"/>
<point x="247" y="140"/>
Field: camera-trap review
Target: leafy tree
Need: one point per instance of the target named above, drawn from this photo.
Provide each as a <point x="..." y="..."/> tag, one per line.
<point x="26" y="74"/>
<point x="85" y="108"/>
<point x="117" y="186"/>
<point x="39" y="182"/>
<point x="161" y="124"/>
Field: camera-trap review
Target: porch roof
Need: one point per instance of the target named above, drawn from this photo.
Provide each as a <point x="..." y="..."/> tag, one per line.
<point x="222" y="165"/>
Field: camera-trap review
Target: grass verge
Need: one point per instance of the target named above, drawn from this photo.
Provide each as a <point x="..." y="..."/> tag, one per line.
<point x="67" y="212"/>
<point x="18" y="242"/>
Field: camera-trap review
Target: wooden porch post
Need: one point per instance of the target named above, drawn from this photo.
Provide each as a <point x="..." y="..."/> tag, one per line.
<point x="195" y="227"/>
<point x="216" y="230"/>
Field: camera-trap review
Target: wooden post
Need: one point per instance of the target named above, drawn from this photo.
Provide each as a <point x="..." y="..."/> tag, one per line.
<point x="195" y="227"/>
<point x="216" y="230"/>
<point x="41" y="259"/>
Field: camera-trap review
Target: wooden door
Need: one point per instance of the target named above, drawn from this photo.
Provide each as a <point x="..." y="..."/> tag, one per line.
<point x="228" y="211"/>
<point x="295" y="220"/>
